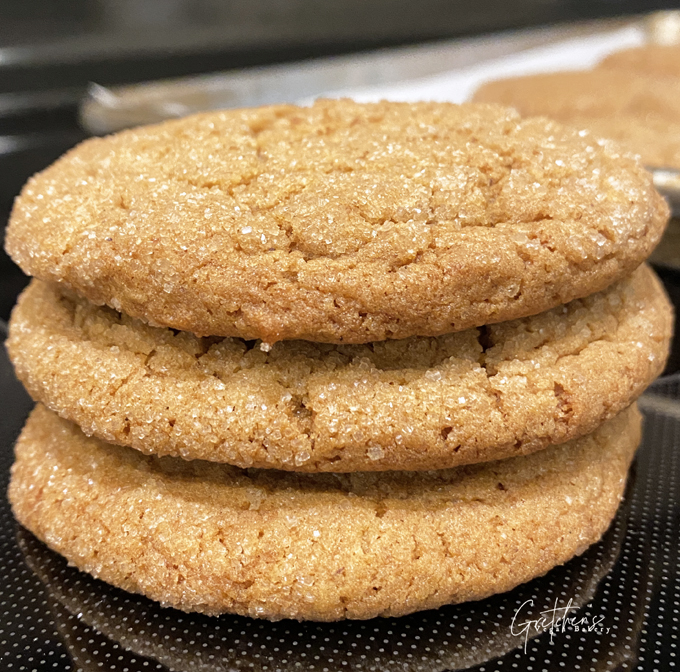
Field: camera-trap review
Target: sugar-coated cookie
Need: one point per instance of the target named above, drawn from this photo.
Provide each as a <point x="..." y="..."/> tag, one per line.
<point x="212" y="538"/>
<point x="419" y="403"/>
<point x="339" y="222"/>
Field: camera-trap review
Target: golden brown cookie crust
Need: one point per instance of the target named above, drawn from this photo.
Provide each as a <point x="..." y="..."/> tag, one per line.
<point x="640" y="113"/>
<point x="213" y="538"/>
<point x="421" y="403"/>
<point x="340" y="222"/>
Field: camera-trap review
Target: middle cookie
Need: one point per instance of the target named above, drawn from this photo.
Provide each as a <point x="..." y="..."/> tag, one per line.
<point x="420" y="403"/>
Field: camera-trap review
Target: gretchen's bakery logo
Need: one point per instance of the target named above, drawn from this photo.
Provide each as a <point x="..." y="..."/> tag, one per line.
<point x="555" y="621"/>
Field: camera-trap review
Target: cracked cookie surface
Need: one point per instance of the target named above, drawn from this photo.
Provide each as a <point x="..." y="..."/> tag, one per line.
<point x="213" y="538"/>
<point x="420" y="403"/>
<point x="340" y="222"/>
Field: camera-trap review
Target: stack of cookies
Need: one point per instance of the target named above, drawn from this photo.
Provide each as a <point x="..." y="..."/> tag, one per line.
<point x="333" y="362"/>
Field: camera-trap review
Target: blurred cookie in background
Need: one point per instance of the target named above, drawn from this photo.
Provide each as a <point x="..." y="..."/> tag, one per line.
<point x="640" y="112"/>
<point x="656" y="60"/>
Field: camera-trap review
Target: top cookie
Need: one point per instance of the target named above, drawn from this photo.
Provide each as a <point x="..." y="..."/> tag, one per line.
<point x="640" y="112"/>
<point x="340" y="222"/>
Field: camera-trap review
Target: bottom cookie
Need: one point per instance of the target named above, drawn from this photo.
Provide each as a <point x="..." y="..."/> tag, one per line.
<point x="91" y="616"/>
<point x="212" y="538"/>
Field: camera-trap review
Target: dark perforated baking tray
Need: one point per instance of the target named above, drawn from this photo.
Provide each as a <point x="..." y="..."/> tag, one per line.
<point x="620" y="599"/>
